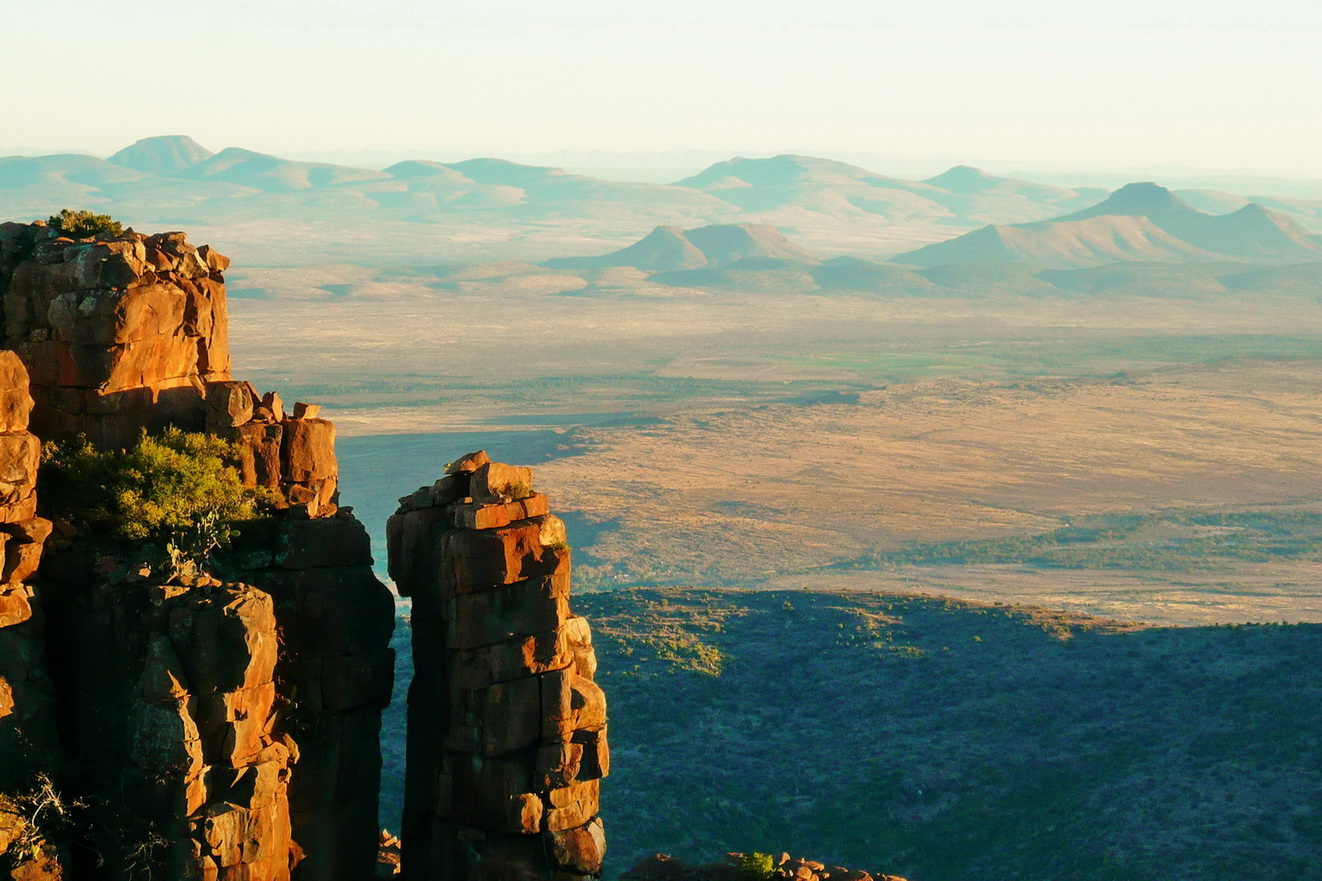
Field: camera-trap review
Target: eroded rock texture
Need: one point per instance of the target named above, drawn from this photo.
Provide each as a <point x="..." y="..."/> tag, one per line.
<point x="28" y="744"/>
<point x="130" y="332"/>
<point x="169" y="698"/>
<point x="335" y="672"/>
<point x="118" y="332"/>
<point x="507" y="729"/>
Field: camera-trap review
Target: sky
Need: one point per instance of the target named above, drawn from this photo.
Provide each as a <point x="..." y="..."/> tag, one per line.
<point x="1210" y="85"/>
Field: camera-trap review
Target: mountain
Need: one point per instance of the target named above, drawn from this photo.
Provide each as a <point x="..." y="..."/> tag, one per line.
<point x="1252" y="232"/>
<point x="1138" y="222"/>
<point x="854" y="275"/>
<point x="961" y="195"/>
<point x="669" y="248"/>
<point x="1062" y="244"/>
<point x="664" y="248"/>
<point x="38" y="186"/>
<point x="164" y="154"/>
<point x="422" y="211"/>
<point x="965" y="180"/>
<point x="271" y="174"/>
<point x="822" y="186"/>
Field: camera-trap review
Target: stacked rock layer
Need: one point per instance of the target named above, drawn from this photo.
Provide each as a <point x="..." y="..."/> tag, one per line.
<point x="507" y="729"/>
<point x="118" y="332"/>
<point x="130" y="332"/>
<point x="28" y="743"/>
<point x="126" y="333"/>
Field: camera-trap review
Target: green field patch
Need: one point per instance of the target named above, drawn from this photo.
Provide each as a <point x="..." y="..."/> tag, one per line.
<point x="1166" y="541"/>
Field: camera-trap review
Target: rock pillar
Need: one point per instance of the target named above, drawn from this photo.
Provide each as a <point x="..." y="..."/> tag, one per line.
<point x="335" y="675"/>
<point x="28" y="743"/>
<point x="507" y="730"/>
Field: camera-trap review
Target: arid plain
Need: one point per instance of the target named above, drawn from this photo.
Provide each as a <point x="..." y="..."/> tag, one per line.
<point x="1143" y="458"/>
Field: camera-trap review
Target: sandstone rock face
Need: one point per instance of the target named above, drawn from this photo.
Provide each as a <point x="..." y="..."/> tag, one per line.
<point x="168" y="699"/>
<point x="288" y="704"/>
<point x="118" y="333"/>
<point x="126" y="333"/>
<point x="28" y="742"/>
<point x="131" y="332"/>
<point x="507" y="730"/>
<point x="336" y="672"/>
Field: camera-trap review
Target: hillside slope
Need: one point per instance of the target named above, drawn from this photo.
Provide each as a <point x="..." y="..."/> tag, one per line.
<point x="946" y="741"/>
<point x="1138" y="222"/>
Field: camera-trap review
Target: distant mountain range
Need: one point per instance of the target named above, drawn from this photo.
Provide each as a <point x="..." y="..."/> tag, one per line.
<point x="823" y="185"/>
<point x="1140" y="222"/>
<point x="267" y="209"/>
<point x="759" y="259"/>
<point x="669" y="248"/>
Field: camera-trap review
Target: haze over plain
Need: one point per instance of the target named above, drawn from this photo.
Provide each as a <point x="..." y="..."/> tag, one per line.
<point x="804" y="304"/>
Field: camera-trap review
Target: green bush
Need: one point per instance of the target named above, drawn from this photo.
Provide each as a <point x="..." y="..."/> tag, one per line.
<point x="83" y="224"/>
<point x="756" y="866"/>
<point x="178" y="488"/>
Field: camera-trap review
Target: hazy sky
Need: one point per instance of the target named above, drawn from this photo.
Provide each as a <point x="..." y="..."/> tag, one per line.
<point x="1217" y="84"/>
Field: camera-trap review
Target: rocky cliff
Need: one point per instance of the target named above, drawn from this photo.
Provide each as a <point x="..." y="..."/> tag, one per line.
<point x="507" y="729"/>
<point x="225" y="723"/>
<point x="203" y="728"/>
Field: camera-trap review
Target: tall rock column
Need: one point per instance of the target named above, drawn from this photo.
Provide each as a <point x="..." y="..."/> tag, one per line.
<point x="28" y="741"/>
<point x="335" y="675"/>
<point x="507" y="730"/>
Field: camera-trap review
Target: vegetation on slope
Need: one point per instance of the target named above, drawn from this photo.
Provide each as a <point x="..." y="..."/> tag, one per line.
<point x="179" y="489"/>
<point x="1171" y="541"/>
<point x="941" y="740"/>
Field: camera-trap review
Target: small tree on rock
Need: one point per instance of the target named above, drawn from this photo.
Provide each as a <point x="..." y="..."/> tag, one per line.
<point x="84" y="224"/>
<point x="178" y="489"/>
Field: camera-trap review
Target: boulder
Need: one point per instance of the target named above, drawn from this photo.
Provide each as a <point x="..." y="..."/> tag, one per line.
<point x="308" y="451"/>
<point x="581" y="849"/>
<point x="229" y="404"/>
<point x="498" y="483"/>
<point x="468" y="463"/>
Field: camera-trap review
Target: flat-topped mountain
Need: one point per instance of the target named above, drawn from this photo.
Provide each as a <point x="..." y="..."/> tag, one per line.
<point x="1139" y="222"/>
<point x="164" y="154"/>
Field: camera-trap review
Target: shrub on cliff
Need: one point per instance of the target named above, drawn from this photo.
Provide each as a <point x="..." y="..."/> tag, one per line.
<point x="82" y="224"/>
<point x="178" y="489"/>
<point x="755" y="866"/>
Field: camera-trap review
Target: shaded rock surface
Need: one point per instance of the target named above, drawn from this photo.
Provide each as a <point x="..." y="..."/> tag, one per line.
<point x="168" y="704"/>
<point x="28" y="743"/>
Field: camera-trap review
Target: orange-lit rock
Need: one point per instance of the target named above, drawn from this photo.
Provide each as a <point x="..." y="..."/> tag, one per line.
<point x="507" y="740"/>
